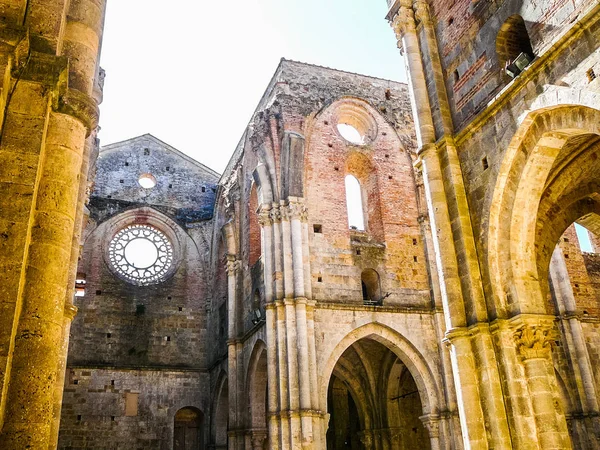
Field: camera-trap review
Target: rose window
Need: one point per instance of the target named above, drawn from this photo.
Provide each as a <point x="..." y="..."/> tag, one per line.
<point x="141" y="254"/>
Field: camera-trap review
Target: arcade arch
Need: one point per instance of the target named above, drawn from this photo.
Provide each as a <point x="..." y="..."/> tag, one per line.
<point x="378" y="390"/>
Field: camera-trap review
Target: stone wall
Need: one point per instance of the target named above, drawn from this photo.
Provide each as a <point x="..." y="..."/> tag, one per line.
<point x="133" y="409"/>
<point x="144" y="340"/>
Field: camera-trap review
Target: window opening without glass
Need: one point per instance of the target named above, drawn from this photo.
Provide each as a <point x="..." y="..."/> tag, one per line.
<point x="356" y="220"/>
<point x="141" y="254"/>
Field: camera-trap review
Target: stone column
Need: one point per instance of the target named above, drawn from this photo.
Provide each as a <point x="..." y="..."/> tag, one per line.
<point x="272" y="376"/>
<point x="432" y="425"/>
<point x="233" y="268"/>
<point x="578" y="352"/>
<point x="282" y="355"/>
<point x="277" y="252"/>
<point x="264" y="218"/>
<point x="259" y="439"/>
<point x="69" y="307"/>
<point x="533" y="342"/>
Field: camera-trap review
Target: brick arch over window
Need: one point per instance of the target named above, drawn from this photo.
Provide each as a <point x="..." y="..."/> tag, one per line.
<point x="512" y="40"/>
<point x="550" y="144"/>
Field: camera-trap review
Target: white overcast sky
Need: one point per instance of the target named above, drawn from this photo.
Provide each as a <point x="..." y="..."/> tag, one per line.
<point x="191" y="72"/>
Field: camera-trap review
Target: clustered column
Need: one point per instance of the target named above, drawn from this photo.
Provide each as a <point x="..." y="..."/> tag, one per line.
<point x="50" y="113"/>
<point x="293" y="419"/>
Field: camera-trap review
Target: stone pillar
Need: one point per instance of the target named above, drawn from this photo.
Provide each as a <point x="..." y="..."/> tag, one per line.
<point x="272" y="376"/>
<point x="44" y="124"/>
<point x="577" y="348"/>
<point x="69" y="308"/>
<point x="259" y="439"/>
<point x="533" y="342"/>
<point x="284" y="401"/>
<point x="408" y="42"/>
<point x="264" y="218"/>
<point x="233" y="268"/>
<point x="432" y="425"/>
<point x="277" y="252"/>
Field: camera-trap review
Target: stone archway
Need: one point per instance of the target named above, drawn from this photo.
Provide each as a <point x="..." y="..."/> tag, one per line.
<point x="188" y="429"/>
<point x="379" y="393"/>
<point x="256" y="386"/>
<point x="549" y="178"/>
<point x="549" y="142"/>
<point x="220" y="419"/>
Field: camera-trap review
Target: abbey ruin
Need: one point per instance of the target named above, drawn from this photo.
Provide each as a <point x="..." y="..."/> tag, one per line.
<point x="381" y="266"/>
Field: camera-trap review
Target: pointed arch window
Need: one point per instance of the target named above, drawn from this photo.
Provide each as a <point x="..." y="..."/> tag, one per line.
<point x="354" y="204"/>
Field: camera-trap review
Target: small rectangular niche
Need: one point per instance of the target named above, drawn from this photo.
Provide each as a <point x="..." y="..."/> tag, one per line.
<point x="75" y="381"/>
<point x="131" y="404"/>
<point x="98" y="292"/>
<point x="79" y="418"/>
<point x="180" y="309"/>
<point x="203" y="189"/>
<point x="414" y="242"/>
<point x="415" y="259"/>
<point x="168" y="338"/>
<point x="108" y="335"/>
<point x="484" y="163"/>
<point x="146" y="151"/>
<point x="319" y="279"/>
<point x="317" y="228"/>
<point x="591" y="75"/>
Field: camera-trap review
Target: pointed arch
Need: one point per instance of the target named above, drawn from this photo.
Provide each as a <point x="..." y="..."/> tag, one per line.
<point x="402" y="347"/>
<point x="521" y="181"/>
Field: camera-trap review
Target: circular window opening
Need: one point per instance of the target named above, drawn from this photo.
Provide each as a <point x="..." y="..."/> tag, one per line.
<point x="141" y="254"/>
<point x="355" y="124"/>
<point x="147" y="181"/>
<point x="350" y="133"/>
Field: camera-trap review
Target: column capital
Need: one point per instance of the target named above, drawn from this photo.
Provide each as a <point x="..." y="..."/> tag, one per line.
<point x="404" y="22"/>
<point x="432" y="423"/>
<point x="275" y="214"/>
<point x="264" y="216"/>
<point x="233" y="265"/>
<point x="70" y="310"/>
<point x="421" y="9"/>
<point x="534" y="341"/>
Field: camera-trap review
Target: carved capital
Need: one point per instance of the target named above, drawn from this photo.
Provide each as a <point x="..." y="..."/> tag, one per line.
<point x="275" y="214"/>
<point x="432" y="423"/>
<point x="264" y="216"/>
<point x="284" y="212"/>
<point x="258" y="438"/>
<point x="534" y="341"/>
<point x="298" y="210"/>
<point x="233" y="266"/>
<point x="366" y="437"/>
<point x="70" y="310"/>
<point x="404" y="22"/>
<point x="421" y="9"/>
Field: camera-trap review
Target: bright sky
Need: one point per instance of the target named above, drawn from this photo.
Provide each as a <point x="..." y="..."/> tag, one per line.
<point x="191" y="72"/>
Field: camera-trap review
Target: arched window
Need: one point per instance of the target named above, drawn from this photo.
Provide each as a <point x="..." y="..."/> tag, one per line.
<point x="356" y="219"/>
<point x="585" y="241"/>
<point x="513" y="46"/>
<point x="371" y="289"/>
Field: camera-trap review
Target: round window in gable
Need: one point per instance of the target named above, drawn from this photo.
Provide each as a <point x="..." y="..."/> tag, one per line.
<point x="141" y="254"/>
<point x="354" y="123"/>
<point x="350" y="133"/>
<point x="147" y="181"/>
